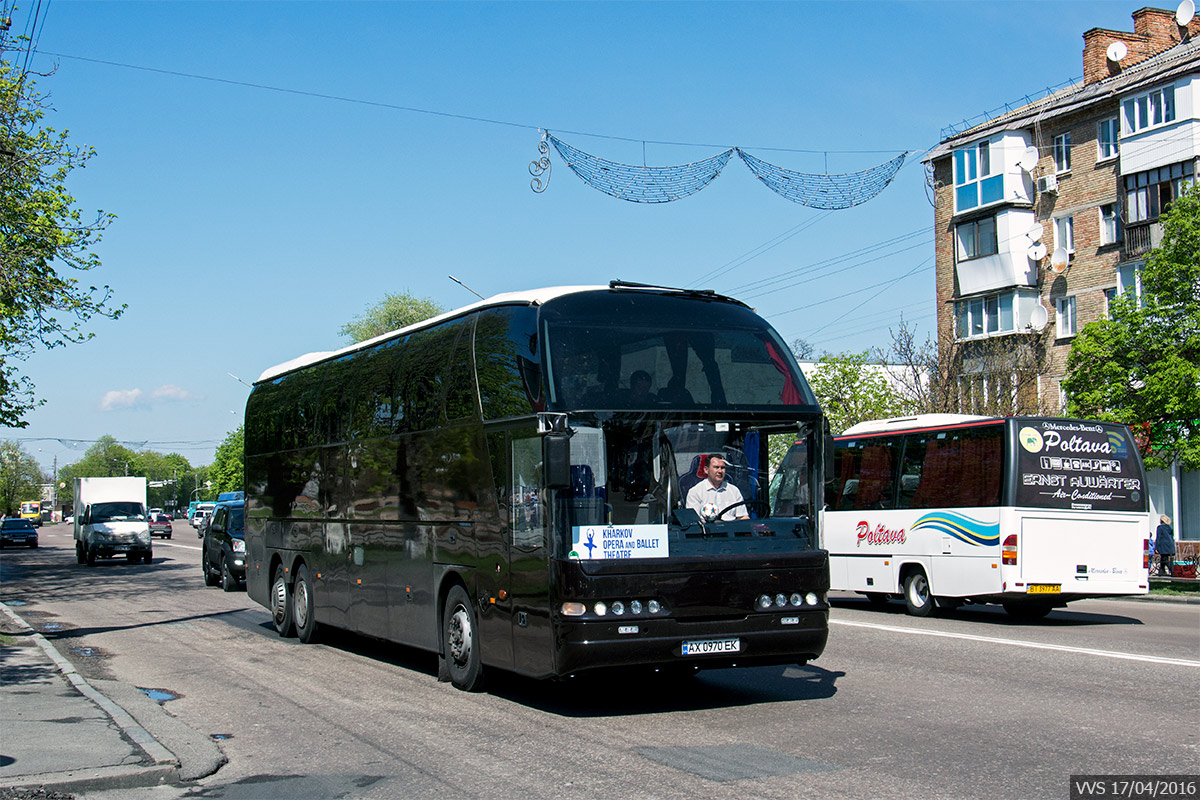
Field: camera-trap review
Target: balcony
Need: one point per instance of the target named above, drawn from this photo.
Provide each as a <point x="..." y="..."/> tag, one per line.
<point x="1140" y="239"/>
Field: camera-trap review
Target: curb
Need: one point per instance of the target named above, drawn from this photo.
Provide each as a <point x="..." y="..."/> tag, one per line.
<point x="164" y="765"/>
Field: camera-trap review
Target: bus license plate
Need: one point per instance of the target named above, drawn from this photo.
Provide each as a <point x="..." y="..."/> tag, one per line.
<point x="709" y="646"/>
<point x="1044" y="588"/>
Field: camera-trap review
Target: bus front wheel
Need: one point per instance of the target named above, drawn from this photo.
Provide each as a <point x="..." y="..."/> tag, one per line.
<point x="460" y="642"/>
<point x="918" y="600"/>
<point x="281" y="602"/>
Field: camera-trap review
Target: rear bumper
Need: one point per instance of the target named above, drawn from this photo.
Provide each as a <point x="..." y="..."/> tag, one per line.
<point x="23" y="539"/>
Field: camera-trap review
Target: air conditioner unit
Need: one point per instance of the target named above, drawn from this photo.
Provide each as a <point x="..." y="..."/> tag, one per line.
<point x="1047" y="183"/>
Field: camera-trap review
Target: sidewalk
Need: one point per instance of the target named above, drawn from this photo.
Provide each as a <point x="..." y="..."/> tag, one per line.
<point x="60" y="733"/>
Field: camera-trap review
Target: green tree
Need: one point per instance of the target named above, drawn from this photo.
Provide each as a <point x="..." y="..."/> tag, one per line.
<point x="44" y="237"/>
<point x="228" y="470"/>
<point x="852" y="390"/>
<point x="1141" y="365"/>
<point x="21" y="478"/>
<point x="104" y="459"/>
<point x="393" y="312"/>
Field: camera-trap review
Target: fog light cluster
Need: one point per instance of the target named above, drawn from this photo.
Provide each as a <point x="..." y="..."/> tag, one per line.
<point x="618" y="608"/>
<point x="766" y="602"/>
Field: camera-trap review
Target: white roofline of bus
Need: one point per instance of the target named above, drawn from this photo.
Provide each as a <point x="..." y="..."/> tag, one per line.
<point x="909" y="423"/>
<point x="530" y="297"/>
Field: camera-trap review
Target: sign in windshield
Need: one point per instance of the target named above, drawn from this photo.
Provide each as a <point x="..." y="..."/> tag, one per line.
<point x="1089" y="466"/>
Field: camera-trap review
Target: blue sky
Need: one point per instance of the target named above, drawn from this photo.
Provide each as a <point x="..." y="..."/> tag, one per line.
<point x="253" y="223"/>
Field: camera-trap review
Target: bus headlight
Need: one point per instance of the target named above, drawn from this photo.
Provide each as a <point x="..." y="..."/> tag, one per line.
<point x="764" y="602"/>
<point x="635" y="607"/>
<point x="796" y="599"/>
<point x="811" y="598"/>
<point x="653" y="607"/>
<point x="618" y="608"/>
<point x="600" y="608"/>
<point x="573" y="609"/>
<point x="781" y="600"/>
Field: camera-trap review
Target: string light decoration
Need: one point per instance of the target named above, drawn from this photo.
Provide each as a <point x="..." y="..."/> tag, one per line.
<point x="641" y="184"/>
<point x="824" y="191"/>
<point x="646" y="184"/>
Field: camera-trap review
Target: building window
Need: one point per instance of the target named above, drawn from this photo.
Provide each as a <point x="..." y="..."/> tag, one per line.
<point x="1062" y="152"/>
<point x="1149" y="110"/>
<point x="1110" y="294"/>
<point x="1148" y="194"/>
<point x="1065" y="306"/>
<point x="974" y="183"/>
<point x="976" y="238"/>
<point x="1110" y="224"/>
<point x="1064" y="233"/>
<point x="1129" y="280"/>
<point x="985" y="316"/>
<point x="1108" y="132"/>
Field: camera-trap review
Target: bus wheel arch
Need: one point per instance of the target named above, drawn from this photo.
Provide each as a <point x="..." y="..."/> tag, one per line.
<point x="918" y="595"/>
<point x="459" y="658"/>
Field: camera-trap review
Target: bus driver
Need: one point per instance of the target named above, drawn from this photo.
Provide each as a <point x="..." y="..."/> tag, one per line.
<point x="713" y="495"/>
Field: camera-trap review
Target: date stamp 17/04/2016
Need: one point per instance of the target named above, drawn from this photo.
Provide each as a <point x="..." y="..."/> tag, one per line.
<point x="1135" y="787"/>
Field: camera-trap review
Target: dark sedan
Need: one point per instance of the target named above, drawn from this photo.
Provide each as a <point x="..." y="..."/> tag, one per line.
<point x="19" y="532"/>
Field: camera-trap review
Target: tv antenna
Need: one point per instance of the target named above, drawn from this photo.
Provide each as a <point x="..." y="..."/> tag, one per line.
<point x="1185" y="12"/>
<point x="1118" y="50"/>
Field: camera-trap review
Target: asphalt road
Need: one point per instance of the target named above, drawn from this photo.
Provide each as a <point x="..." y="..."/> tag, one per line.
<point x="972" y="705"/>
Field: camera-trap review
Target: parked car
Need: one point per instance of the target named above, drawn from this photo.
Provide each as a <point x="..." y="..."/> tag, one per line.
<point x="15" y="530"/>
<point x="160" y="525"/>
<point x="223" y="557"/>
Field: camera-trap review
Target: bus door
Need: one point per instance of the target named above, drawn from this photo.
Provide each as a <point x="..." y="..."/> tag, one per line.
<point x="528" y="555"/>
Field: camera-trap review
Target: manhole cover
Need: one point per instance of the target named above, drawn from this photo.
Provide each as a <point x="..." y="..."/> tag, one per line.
<point x="732" y="762"/>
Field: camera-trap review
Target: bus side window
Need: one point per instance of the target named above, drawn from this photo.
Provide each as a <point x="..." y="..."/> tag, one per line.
<point x="910" y="472"/>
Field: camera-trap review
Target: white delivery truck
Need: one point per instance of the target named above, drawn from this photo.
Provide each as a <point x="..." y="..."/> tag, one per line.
<point x="111" y="520"/>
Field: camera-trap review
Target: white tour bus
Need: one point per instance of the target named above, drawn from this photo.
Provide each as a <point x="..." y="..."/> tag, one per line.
<point x="946" y="509"/>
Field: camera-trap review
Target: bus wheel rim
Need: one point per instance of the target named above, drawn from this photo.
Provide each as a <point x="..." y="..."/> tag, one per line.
<point x="279" y="598"/>
<point x="301" y="604"/>
<point x="919" y="592"/>
<point x="460" y="635"/>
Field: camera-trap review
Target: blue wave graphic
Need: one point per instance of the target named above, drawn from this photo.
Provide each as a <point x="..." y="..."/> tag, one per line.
<point x="961" y="527"/>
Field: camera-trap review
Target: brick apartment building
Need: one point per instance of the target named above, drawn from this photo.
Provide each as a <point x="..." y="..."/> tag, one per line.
<point x="1044" y="214"/>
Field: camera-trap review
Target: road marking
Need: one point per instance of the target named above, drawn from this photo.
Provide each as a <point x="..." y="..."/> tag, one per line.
<point x="1179" y="662"/>
<point x="184" y="546"/>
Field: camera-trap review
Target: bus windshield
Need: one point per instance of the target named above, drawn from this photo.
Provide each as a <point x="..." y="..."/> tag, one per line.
<point x="634" y="473"/>
<point x="726" y="357"/>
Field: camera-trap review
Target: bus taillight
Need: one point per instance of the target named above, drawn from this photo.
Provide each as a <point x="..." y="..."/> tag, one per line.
<point x="1145" y="554"/>
<point x="1008" y="553"/>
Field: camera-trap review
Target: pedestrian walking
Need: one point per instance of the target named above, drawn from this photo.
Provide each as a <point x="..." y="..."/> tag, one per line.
<point x="1164" y="543"/>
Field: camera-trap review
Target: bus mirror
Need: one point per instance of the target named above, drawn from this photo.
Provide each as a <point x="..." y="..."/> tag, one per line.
<point x="556" y="457"/>
<point x="828" y="457"/>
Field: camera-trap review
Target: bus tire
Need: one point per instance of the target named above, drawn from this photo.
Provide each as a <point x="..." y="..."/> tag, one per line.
<point x="460" y="642"/>
<point x="281" y="602"/>
<point x="1027" y="611"/>
<point x="917" y="599"/>
<point x="303" y="608"/>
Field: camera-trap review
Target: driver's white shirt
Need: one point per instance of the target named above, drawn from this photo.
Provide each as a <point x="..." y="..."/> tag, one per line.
<point x="721" y="496"/>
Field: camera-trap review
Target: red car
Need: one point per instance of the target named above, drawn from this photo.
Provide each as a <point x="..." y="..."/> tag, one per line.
<point x="160" y="525"/>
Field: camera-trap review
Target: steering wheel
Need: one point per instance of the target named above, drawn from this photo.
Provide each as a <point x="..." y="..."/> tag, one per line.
<point x="748" y="504"/>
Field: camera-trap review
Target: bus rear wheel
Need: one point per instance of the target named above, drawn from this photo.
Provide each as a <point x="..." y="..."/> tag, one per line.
<point x="281" y="602"/>
<point x="918" y="600"/>
<point x="460" y="642"/>
<point x="303" y="606"/>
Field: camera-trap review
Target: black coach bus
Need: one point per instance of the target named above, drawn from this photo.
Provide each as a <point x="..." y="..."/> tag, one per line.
<point x="500" y="485"/>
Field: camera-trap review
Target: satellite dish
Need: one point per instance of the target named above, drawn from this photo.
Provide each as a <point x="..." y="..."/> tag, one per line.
<point x="1028" y="159"/>
<point x="1185" y="12"/>
<point x="1035" y="233"/>
<point x="1117" y="50"/>
<point x="1037" y="252"/>
<point x="1058" y="261"/>
<point x="1039" y="317"/>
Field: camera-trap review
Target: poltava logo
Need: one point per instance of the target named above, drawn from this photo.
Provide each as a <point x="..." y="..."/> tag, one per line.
<point x="880" y="534"/>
